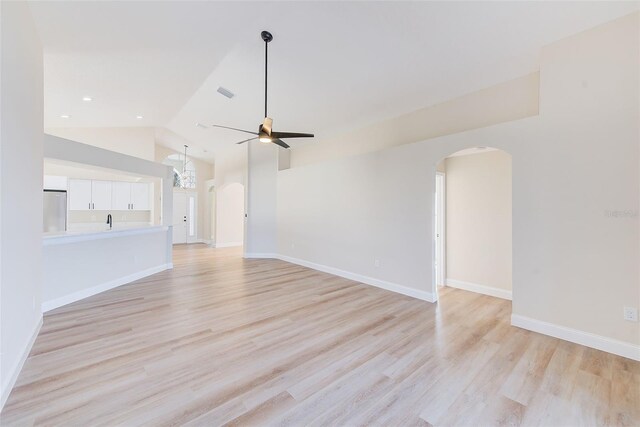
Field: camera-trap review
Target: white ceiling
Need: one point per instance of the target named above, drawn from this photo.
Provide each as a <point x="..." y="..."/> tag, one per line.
<point x="333" y="66"/>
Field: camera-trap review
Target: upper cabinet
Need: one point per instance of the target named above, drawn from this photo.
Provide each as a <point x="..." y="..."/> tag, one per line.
<point x="101" y="195"/>
<point x="79" y="194"/>
<point x="87" y="194"/>
<point x="140" y="196"/>
<point x="121" y="199"/>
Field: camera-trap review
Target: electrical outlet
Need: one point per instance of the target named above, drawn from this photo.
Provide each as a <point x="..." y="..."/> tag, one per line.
<point x="631" y="314"/>
<point x="376" y="262"/>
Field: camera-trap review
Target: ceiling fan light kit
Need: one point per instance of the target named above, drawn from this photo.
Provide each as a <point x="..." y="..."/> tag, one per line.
<point x="265" y="132"/>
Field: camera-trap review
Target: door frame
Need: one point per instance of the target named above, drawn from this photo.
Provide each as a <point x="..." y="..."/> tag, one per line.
<point x="177" y="196"/>
<point x="187" y="194"/>
<point x="440" y="228"/>
<point x="194" y="238"/>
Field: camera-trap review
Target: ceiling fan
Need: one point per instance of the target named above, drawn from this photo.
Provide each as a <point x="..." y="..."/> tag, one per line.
<point x="265" y="132"/>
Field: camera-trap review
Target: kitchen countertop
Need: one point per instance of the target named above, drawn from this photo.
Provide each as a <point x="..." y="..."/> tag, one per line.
<point x="63" y="237"/>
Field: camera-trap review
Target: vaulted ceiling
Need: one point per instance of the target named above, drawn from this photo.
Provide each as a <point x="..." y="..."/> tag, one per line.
<point x="334" y="66"/>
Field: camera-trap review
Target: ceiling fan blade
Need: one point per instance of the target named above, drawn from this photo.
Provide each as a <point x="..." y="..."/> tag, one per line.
<point x="246" y="140"/>
<point x="291" y="135"/>
<point x="280" y="142"/>
<point x="239" y="130"/>
<point x="267" y="124"/>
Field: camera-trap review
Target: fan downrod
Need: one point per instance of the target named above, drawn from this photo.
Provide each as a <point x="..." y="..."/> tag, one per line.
<point x="266" y="36"/>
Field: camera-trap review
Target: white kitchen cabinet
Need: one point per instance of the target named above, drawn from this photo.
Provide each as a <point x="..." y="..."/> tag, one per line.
<point x="140" y="200"/>
<point x="101" y="195"/>
<point x="85" y="194"/>
<point x="121" y="196"/>
<point x="79" y="194"/>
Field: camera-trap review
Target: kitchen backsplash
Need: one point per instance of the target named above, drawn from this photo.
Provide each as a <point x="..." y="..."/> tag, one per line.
<point x="87" y="217"/>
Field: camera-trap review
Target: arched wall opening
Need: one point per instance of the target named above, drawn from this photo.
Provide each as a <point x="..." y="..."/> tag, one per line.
<point x="229" y="227"/>
<point x="472" y="222"/>
<point x="211" y="213"/>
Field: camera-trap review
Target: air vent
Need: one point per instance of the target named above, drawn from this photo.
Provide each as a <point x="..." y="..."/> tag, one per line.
<point x="225" y="92"/>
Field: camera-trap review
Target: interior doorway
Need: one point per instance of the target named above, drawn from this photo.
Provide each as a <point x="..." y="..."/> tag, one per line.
<point x="185" y="206"/>
<point x="472" y="220"/>
<point x="211" y="215"/>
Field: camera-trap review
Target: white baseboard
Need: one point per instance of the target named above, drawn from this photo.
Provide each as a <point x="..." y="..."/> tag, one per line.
<point x="621" y="348"/>
<point x="480" y="289"/>
<point x="228" y="244"/>
<point x="393" y="287"/>
<point x="85" y="293"/>
<point x="259" y="255"/>
<point x="13" y="377"/>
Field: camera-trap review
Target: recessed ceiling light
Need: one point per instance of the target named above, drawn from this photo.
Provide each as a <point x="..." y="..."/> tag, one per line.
<point x="65" y="116"/>
<point x="87" y="98"/>
<point x="139" y="117"/>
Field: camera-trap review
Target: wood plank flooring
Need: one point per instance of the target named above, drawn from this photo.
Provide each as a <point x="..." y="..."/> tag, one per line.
<point x="223" y="340"/>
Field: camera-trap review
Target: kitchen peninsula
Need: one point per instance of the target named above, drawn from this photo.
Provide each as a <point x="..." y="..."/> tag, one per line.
<point x="84" y="255"/>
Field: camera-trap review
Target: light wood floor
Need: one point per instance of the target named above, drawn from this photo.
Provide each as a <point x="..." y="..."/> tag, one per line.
<point x="259" y="342"/>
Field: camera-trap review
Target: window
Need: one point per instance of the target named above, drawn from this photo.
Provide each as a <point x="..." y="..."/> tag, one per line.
<point x="184" y="173"/>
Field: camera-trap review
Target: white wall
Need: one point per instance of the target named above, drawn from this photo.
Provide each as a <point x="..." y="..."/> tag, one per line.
<point x="21" y="134"/>
<point x="511" y="100"/>
<point x="575" y="166"/>
<point x="75" y="267"/>
<point x="261" y="221"/>
<point x="54" y="168"/>
<point x="132" y="141"/>
<point x="348" y="213"/>
<point x="230" y="215"/>
<point x="478" y="220"/>
<point x="232" y="166"/>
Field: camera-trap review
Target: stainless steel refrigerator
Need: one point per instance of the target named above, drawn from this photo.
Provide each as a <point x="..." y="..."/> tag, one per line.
<point x="55" y="210"/>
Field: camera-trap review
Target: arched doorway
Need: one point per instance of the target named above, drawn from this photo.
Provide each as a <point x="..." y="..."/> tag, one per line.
<point x="473" y="222"/>
<point x="230" y="215"/>
<point x="211" y="213"/>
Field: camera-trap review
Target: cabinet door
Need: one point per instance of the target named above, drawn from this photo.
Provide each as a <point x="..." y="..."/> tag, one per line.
<point x="101" y="195"/>
<point x="79" y="194"/>
<point x="121" y="196"/>
<point x="140" y="196"/>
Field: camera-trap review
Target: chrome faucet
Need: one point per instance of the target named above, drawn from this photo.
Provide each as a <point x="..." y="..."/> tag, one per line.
<point x="110" y="221"/>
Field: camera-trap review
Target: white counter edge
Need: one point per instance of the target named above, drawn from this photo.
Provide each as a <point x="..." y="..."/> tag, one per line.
<point x="64" y="239"/>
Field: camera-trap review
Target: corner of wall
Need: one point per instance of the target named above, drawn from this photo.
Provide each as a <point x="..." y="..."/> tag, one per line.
<point x="7" y="386"/>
